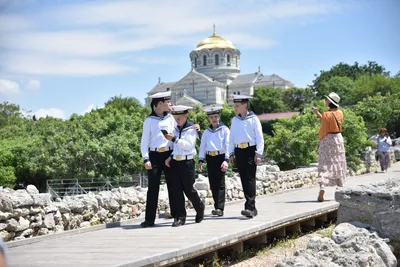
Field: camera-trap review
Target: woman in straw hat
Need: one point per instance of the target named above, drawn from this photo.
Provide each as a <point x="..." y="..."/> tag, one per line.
<point x="332" y="166"/>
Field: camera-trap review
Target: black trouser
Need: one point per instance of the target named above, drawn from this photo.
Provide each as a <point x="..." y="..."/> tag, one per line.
<point x="157" y="160"/>
<point x="217" y="179"/>
<point x="182" y="182"/>
<point x="247" y="171"/>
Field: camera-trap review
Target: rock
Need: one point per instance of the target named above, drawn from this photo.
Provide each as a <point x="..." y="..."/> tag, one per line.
<point x="42" y="199"/>
<point x="62" y="207"/>
<point x="50" y="209"/>
<point x="102" y="214"/>
<point x="48" y="221"/>
<point x="5" y="215"/>
<point x="21" y="198"/>
<point x="6" y="235"/>
<point x="59" y="229"/>
<point x="3" y="226"/>
<point x="35" y="210"/>
<point x="23" y="224"/>
<point x="43" y="231"/>
<point x="31" y="189"/>
<point x="5" y="203"/>
<point x="76" y="206"/>
<point x="27" y="232"/>
<point x="201" y="185"/>
<point x="66" y="217"/>
<point x="349" y="246"/>
<point x="84" y="224"/>
<point x="12" y="225"/>
<point x="58" y="217"/>
<point x="377" y="204"/>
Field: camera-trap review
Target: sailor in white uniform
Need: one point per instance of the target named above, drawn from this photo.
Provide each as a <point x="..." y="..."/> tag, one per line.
<point x="182" y="166"/>
<point x="214" y="149"/>
<point x="155" y="150"/>
<point x="246" y="143"/>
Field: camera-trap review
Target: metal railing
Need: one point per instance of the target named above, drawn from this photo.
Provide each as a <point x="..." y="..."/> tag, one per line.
<point x="59" y="188"/>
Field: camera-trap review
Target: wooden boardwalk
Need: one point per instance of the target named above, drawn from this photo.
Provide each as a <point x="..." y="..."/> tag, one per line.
<point x="129" y="245"/>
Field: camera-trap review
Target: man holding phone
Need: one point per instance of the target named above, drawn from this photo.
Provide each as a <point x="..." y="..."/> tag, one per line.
<point x="155" y="150"/>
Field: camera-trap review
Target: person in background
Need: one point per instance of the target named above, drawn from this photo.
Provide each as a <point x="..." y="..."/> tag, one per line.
<point x="3" y="262"/>
<point x="384" y="143"/>
<point x="246" y="143"/>
<point x="214" y="149"/>
<point x="332" y="166"/>
<point x="155" y="150"/>
<point x="182" y="165"/>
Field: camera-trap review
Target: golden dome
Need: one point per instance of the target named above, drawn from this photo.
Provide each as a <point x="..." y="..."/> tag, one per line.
<point x="214" y="41"/>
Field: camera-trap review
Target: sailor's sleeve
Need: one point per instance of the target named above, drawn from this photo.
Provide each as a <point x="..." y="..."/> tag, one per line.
<point x="203" y="143"/>
<point x="259" y="137"/>
<point x="231" y="144"/>
<point x="144" y="143"/>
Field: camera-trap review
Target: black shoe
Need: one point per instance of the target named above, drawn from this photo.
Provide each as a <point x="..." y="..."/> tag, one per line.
<point x="200" y="214"/>
<point x="147" y="224"/>
<point x="249" y="213"/>
<point x="178" y="222"/>
<point x="217" y="212"/>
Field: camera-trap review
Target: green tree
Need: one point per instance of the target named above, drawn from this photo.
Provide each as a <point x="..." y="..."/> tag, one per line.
<point x="345" y="70"/>
<point x="380" y="111"/>
<point x="267" y="100"/>
<point x="296" y="99"/>
<point x="343" y="86"/>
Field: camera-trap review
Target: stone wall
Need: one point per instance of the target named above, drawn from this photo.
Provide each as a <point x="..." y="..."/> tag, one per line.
<point x="27" y="213"/>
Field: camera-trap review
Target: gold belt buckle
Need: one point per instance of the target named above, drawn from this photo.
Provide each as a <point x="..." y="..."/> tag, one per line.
<point x="161" y="149"/>
<point x="213" y="153"/>
<point x="243" y="145"/>
<point x="178" y="158"/>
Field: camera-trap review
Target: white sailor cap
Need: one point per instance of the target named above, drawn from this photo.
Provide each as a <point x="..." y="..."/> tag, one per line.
<point x="240" y="98"/>
<point x="180" y="109"/>
<point x="161" y="95"/>
<point x="212" y="110"/>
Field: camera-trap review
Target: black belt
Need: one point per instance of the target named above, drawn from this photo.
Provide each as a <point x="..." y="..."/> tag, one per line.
<point x="335" y="133"/>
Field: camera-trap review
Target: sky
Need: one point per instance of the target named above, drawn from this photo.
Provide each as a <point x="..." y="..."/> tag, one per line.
<point x="60" y="57"/>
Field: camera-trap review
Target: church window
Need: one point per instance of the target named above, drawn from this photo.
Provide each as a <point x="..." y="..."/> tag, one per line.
<point x="204" y="61"/>
<point x="236" y="61"/>
<point x="228" y="59"/>
<point x="195" y="62"/>
<point x="216" y="60"/>
<point x="238" y="92"/>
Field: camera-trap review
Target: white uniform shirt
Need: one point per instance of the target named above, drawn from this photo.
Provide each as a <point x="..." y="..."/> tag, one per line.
<point x="215" y="140"/>
<point x="246" y="130"/>
<point x="152" y="137"/>
<point x="185" y="141"/>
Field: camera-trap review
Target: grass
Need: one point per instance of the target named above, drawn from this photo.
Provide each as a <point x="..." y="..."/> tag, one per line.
<point x="228" y="256"/>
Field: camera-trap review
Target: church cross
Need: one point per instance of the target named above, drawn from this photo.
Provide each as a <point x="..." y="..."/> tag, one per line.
<point x="193" y="84"/>
<point x="207" y="90"/>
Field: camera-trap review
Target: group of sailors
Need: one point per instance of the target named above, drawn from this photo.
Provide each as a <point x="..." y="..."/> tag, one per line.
<point x="168" y="146"/>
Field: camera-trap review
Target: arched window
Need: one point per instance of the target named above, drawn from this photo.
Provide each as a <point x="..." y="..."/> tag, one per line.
<point x="238" y="92"/>
<point x="228" y="59"/>
<point x="236" y="61"/>
<point x="195" y="62"/>
<point x="216" y="60"/>
<point x="204" y="60"/>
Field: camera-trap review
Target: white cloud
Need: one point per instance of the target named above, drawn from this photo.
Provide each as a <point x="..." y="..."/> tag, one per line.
<point x="8" y="87"/>
<point x="51" y="112"/>
<point x="89" y="108"/>
<point x="32" y="85"/>
<point x="85" y="37"/>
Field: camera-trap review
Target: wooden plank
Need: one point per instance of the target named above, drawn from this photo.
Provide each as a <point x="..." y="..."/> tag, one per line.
<point x="130" y="245"/>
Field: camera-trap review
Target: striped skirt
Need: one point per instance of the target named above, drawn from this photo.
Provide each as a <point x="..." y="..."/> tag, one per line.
<point x="332" y="166"/>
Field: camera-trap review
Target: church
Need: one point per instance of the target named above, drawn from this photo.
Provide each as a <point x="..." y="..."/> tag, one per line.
<point x="215" y="76"/>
